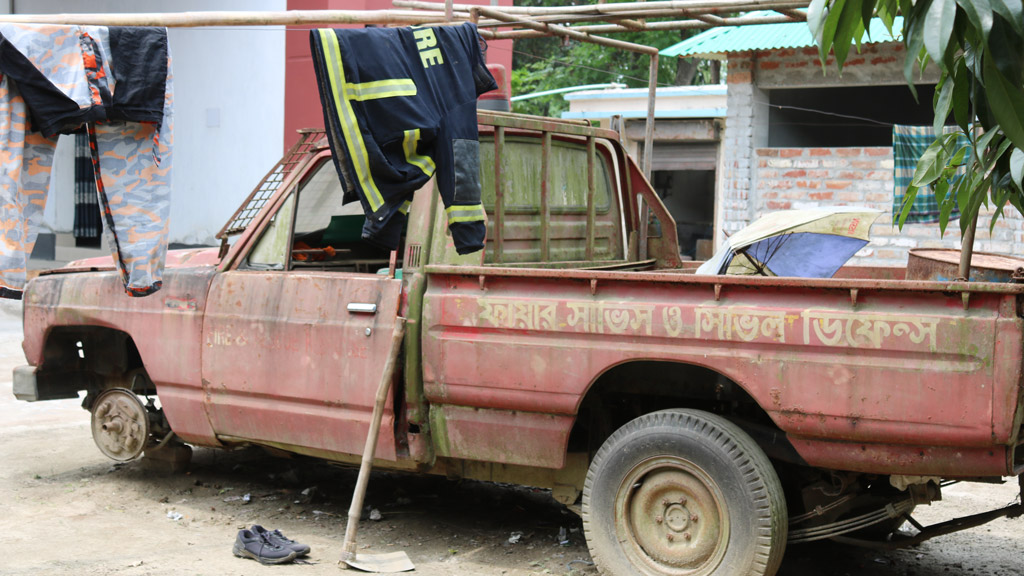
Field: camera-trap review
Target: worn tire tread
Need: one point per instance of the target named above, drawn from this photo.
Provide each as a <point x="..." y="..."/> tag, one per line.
<point x="758" y="476"/>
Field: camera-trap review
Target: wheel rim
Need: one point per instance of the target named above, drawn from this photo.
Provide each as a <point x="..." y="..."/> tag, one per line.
<point x="672" y="517"/>
<point x="120" y="424"/>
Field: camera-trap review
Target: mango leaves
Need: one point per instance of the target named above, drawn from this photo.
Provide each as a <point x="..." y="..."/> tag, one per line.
<point x="978" y="46"/>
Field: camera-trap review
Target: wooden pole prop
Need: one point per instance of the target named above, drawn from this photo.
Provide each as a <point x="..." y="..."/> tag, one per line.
<point x="393" y="561"/>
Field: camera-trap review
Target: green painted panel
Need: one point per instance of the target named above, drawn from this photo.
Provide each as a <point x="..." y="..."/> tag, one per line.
<point x="521" y="170"/>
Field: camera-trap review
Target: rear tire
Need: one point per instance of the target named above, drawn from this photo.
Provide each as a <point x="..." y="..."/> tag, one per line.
<point x="683" y="493"/>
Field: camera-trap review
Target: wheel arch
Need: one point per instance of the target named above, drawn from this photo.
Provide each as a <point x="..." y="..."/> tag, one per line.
<point x="91" y="358"/>
<point x="631" y="389"/>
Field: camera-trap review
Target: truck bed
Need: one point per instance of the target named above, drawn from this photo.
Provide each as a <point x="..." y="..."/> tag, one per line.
<point x="864" y="372"/>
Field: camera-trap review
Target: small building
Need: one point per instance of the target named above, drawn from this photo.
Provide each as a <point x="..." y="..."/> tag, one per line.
<point x="687" y="135"/>
<point x="799" y="135"/>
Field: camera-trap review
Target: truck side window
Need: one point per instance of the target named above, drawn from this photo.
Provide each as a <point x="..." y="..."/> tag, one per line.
<point x="313" y="230"/>
<point x="271" y="252"/>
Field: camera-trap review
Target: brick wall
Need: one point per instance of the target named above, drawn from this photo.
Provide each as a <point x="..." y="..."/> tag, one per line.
<point x="754" y="179"/>
<point x="793" y="178"/>
<point x="746" y="127"/>
<point x="874" y="65"/>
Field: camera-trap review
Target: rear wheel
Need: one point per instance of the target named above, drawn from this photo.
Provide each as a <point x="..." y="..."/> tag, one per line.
<point x="683" y="493"/>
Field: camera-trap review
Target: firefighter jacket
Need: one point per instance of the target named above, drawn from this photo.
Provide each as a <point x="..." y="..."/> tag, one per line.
<point x="399" y="105"/>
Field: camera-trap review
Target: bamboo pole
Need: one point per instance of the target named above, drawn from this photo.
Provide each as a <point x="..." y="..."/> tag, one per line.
<point x="694" y="6"/>
<point x="652" y="90"/>
<point x="626" y="21"/>
<point x="563" y="31"/>
<point x="650" y="26"/>
<point x="201" y="19"/>
<point x="646" y="15"/>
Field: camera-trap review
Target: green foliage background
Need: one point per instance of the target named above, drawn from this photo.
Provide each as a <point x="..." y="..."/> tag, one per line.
<point x="540" y="64"/>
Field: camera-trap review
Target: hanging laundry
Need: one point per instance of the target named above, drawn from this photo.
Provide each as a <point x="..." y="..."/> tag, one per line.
<point x="908" y="145"/>
<point x="118" y="81"/>
<point x="87" y="227"/>
<point x="399" y="105"/>
<point x="25" y="161"/>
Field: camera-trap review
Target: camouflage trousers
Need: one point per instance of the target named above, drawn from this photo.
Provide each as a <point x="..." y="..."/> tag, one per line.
<point x="132" y="161"/>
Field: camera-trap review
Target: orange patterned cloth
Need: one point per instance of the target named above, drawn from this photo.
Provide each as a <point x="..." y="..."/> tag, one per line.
<point x="131" y="159"/>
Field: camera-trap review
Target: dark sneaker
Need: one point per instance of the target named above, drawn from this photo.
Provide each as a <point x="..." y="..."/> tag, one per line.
<point x="275" y="537"/>
<point x="249" y="544"/>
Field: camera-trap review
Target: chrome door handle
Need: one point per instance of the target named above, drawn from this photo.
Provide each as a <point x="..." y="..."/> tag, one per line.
<point x="362" y="308"/>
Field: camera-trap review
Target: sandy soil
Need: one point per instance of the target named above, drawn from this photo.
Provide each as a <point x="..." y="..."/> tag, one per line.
<point x="66" y="510"/>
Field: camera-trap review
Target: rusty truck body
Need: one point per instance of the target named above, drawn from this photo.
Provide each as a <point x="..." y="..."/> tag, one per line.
<point x="696" y="422"/>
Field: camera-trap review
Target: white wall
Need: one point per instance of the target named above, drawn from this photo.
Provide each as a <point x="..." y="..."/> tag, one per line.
<point x="229" y="112"/>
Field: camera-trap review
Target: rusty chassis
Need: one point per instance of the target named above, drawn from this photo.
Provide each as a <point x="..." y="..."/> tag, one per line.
<point x="898" y="541"/>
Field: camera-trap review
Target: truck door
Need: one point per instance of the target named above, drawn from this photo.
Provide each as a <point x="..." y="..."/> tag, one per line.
<point x="297" y="332"/>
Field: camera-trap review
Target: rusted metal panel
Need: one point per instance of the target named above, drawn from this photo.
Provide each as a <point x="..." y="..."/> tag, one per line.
<point x="895" y="369"/>
<point x="944" y="264"/>
<point x="166" y="328"/>
<point x="284" y="360"/>
<point x="497" y="435"/>
<point x="853" y="280"/>
<point x="922" y="460"/>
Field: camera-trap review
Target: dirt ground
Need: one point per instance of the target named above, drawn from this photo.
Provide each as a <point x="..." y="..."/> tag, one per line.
<point x="65" y="510"/>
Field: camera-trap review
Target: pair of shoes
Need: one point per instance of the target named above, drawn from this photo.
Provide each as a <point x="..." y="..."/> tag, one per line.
<point x="275" y="537"/>
<point x="249" y="544"/>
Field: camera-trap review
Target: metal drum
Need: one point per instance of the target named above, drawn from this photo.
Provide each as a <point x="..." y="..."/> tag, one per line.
<point x="943" y="264"/>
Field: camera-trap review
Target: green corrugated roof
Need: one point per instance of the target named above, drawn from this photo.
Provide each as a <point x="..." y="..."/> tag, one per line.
<point x="726" y="39"/>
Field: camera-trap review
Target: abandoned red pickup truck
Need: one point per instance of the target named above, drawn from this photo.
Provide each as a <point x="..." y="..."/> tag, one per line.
<point x="697" y="423"/>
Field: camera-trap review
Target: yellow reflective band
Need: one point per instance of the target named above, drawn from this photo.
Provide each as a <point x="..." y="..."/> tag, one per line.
<point x="405" y="207"/>
<point x="473" y="213"/>
<point x="380" y="89"/>
<point x="412" y="138"/>
<point x="349" y="123"/>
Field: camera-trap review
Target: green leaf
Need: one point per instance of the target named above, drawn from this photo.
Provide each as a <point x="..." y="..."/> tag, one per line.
<point x="1006" y="48"/>
<point x="1017" y="167"/>
<point x="1011" y="11"/>
<point x="943" y="102"/>
<point x="828" y="32"/>
<point x="956" y="161"/>
<point x="962" y="94"/>
<point x="975" y="199"/>
<point x="908" y="203"/>
<point x="1004" y="145"/>
<point x="999" y="198"/>
<point x="941" y="188"/>
<point x="914" y="40"/>
<point x="1006" y="102"/>
<point x="982" y="143"/>
<point x="950" y="202"/>
<point x="963" y="193"/>
<point x="930" y="166"/>
<point x="847" y="26"/>
<point x="867" y="12"/>
<point x="979" y="12"/>
<point x="938" y="27"/>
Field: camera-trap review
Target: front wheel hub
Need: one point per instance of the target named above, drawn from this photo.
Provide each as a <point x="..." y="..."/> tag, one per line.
<point x="120" y="424"/>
